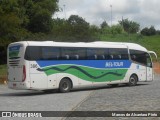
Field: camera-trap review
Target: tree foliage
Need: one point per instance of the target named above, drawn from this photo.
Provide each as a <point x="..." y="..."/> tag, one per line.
<point x="104" y="25"/>
<point x="130" y="26"/>
<point x="148" y="31"/>
<point x="20" y="19"/>
<point x="114" y="29"/>
<point x="78" y="27"/>
<point x="75" y="28"/>
<point x="40" y="15"/>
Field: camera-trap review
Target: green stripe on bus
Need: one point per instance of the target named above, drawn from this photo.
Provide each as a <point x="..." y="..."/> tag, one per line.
<point x="86" y="73"/>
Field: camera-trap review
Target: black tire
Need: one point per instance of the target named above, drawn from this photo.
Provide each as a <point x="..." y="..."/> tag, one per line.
<point x="133" y="80"/>
<point x="65" y="85"/>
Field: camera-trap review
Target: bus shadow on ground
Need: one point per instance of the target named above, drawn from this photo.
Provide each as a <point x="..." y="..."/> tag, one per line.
<point x="38" y="93"/>
<point x="108" y="87"/>
<point x="26" y="93"/>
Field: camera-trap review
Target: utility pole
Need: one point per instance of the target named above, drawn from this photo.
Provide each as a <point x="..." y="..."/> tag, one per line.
<point x="122" y="23"/>
<point x="64" y="11"/>
<point x="111" y="15"/>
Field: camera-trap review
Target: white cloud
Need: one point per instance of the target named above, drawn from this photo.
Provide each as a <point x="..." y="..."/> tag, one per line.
<point x="145" y="12"/>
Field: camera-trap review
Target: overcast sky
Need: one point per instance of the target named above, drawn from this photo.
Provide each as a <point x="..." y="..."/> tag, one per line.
<point x="145" y="12"/>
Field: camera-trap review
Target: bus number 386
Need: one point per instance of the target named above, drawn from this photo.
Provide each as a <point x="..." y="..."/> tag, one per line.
<point x="34" y="66"/>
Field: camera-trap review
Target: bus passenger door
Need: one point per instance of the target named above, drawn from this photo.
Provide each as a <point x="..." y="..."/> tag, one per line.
<point x="150" y="72"/>
<point x="149" y="68"/>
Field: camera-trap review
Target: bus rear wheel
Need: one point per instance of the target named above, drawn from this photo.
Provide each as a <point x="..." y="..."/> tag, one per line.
<point x="65" y="85"/>
<point x="133" y="80"/>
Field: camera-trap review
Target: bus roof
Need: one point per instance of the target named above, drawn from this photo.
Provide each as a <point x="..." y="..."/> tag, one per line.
<point x="129" y="45"/>
<point x="98" y="44"/>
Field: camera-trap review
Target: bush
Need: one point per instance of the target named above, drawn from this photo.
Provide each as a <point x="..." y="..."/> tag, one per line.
<point x="115" y="29"/>
<point x="158" y="32"/>
<point x="148" y="31"/>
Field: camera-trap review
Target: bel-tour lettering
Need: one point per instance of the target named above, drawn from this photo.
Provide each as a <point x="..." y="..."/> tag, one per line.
<point x="114" y="64"/>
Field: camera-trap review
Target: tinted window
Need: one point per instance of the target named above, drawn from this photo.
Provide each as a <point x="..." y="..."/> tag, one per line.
<point x="97" y="54"/>
<point x="50" y="53"/>
<point x="149" y="61"/>
<point x="118" y="54"/>
<point x="42" y="53"/>
<point x="139" y="56"/>
<point x="73" y="53"/>
<point x="68" y="53"/>
<point x="33" y="53"/>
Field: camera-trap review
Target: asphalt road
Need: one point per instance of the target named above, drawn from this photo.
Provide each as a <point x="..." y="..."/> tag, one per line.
<point x="143" y="97"/>
<point x="22" y="100"/>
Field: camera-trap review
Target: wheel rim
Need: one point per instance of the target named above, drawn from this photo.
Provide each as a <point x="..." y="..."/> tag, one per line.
<point x="65" y="86"/>
<point x="132" y="80"/>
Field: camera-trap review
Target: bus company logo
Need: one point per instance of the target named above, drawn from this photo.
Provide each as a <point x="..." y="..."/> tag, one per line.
<point x="114" y="64"/>
<point x="6" y="114"/>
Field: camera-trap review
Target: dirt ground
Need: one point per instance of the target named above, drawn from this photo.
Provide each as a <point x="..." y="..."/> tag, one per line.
<point x="157" y="67"/>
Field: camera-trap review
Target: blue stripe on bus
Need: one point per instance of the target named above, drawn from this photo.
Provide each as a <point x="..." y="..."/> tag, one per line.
<point x="88" y="63"/>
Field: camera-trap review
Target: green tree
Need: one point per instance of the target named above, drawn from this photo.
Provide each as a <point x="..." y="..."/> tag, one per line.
<point x="20" y="19"/>
<point x="158" y="32"/>
<point x="40" y="15"/>
<point x="104" y="25"/>
<point x="152" y="30"/>
<point x="116" y="29"/>
<point x="10" y="22"/>
<point x="148" y="31"/>
<point x="130" y="26"/>
<point x="79" y="28"/>
<point x="76" y="20"/>
<point x="61" y="29"/>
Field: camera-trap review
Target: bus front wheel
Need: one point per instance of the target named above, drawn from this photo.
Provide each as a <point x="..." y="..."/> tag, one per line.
<point x="65" y="85"/>
<point x="133" y="80"/>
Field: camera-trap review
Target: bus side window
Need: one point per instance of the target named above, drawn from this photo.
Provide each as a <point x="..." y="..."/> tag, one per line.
<point x="133" y="57"/>
<point x="66" y="57"/>
<point x="76" y="57"/>
<point x="33" y="53"/>
<point x="140" y="57"/>
<point x="95" y="57"/>
<point x="119" y="56"/>
<point x="101" y="57"/>
<point x="111" y="57"/>
<point x="57" y="57"/>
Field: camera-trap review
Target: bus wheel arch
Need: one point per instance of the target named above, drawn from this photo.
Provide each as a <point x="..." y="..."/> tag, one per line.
<point x="133" y="80"/>
<point x="65" y="85"/>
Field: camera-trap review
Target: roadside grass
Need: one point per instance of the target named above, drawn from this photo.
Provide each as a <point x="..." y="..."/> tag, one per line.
<point x="152" y="43"/>
<point x="3" y="73"/>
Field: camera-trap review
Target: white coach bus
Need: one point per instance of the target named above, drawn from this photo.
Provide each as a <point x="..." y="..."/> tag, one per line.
<point x="65" y="66"/>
